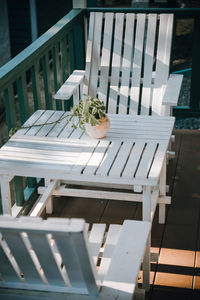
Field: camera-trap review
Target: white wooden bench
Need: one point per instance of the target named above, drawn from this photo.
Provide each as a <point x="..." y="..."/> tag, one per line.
<point x="57" y="258"/>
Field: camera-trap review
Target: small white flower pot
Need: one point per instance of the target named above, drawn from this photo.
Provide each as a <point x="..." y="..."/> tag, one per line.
<point x="98" y="131"/>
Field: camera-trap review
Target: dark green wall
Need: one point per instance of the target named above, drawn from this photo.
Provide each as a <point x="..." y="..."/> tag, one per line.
<point x="48" y="13"/>
<point x="19" y="25"/>
<point x="51" y="11"/>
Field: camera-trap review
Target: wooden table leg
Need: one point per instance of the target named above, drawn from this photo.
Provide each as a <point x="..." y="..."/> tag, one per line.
<point x="6" y="194"/>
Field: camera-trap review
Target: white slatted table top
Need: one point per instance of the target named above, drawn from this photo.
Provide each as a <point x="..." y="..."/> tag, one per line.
<point x="132" y="152"/>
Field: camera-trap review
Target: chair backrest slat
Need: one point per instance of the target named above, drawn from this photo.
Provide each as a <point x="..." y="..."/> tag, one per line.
<point x="162" y="61"/>
<point x="89" y="54"/>
<point x="22" y="256"/>
<point x="137" y="63"/>
<point x="122" y="55"/>
<point x="95" y="62"/>
<point x="116" y="63"/>
<point x="8" y="272"/>
<point x="105" y="58"/>
<point x="148" y="65"/>
<point x="41" y="245"/>
<point x="126" y="63"/>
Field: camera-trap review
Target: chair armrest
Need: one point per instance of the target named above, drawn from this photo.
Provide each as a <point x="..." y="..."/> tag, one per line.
<point x="122" y="276"/>
<point x="70" y="85"/>
<point x="172" y="90"/>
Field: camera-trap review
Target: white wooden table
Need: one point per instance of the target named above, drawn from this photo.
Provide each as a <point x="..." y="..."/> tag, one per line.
<point x="131" y="156"/>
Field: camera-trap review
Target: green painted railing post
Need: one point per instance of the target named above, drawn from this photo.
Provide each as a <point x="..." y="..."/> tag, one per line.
<point x="56" y="73"/>
<point x="195" y="100"/>
<point x="47" y="81"/>
<point x="36" y="86"/>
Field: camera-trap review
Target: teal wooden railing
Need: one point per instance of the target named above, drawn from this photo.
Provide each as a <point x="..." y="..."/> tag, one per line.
<point x="29" y="80"/>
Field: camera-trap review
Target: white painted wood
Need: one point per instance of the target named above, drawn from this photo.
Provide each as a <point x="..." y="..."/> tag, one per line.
<point x="94" y="68"/>
<point x="76" y="97"/>
<point x="116" y="63"/>
<point x="137" y="64"/>
<point x="162" y="61"/>
<point x="83" y="159"/>
<point x="158" y="161"/>
<point x="39" y="123"/>
<point x="98" y="61"/>
<point x="89" y="53"/>
<point x="44" y="131"/>
<point x="16" y="210"/>
<point x="68" y="130"/>
<point x="162" y="207"/>
<point x="124" y="282"/>
<point x="105" y="58"/>
<point x="111" y="241"/>
<point x="33" y="118"/>
<point x="148" y="64"/>
<point x="146" y="216"/>
<point x="133" y="160"/>
<point x="60" y="246"/>
<point x="108" y="158"/>
<point x="70" y="85"/>
<point x="49" y="204"/>
<point x="147" y="265"/>
<point x="96" y="158"/>
<point x="121" y="159"/>
<point x="154" y="201"/>
<point x="146" y="160"/>
<point x="40" y="205"/>
<point x="58" y="127"/>
<point x="173" y="86"/>
<point x="5" y="194"/>
<point x="99" y="194"/>
<point x="96" y="238"/>
<point x="126" y="63"/>
<point x="79" y="3"/>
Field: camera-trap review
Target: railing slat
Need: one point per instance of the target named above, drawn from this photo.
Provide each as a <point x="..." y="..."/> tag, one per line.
<point x="47" y="81"/>
<point x="23" y="97"/>
<point x="56" y="73"/>
<point x="9" y="102"/>
<point x="64" y="60"/>
<point x="71" y="51"/>
<point x="36" y="85"/>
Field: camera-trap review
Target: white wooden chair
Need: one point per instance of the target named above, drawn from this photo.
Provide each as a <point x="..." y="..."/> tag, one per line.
<point x="127" y="66"/>
<point x="57" y="258"/>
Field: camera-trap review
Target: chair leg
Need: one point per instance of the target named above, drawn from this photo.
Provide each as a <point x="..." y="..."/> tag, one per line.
<point x="146" y="206"/>
<point x="147" y="265"/>
<point x="162" y="213"/>
<point x="162" y="206"/>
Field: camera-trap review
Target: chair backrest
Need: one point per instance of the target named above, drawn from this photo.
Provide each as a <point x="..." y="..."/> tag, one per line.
<point x="51" y="255"/>
<point x="127" y="60"/>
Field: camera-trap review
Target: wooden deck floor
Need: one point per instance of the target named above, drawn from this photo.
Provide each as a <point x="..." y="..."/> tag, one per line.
<point x="177" y="274"/>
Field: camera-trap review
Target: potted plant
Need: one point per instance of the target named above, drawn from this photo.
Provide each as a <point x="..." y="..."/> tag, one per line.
<point x="92" y="117"/>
